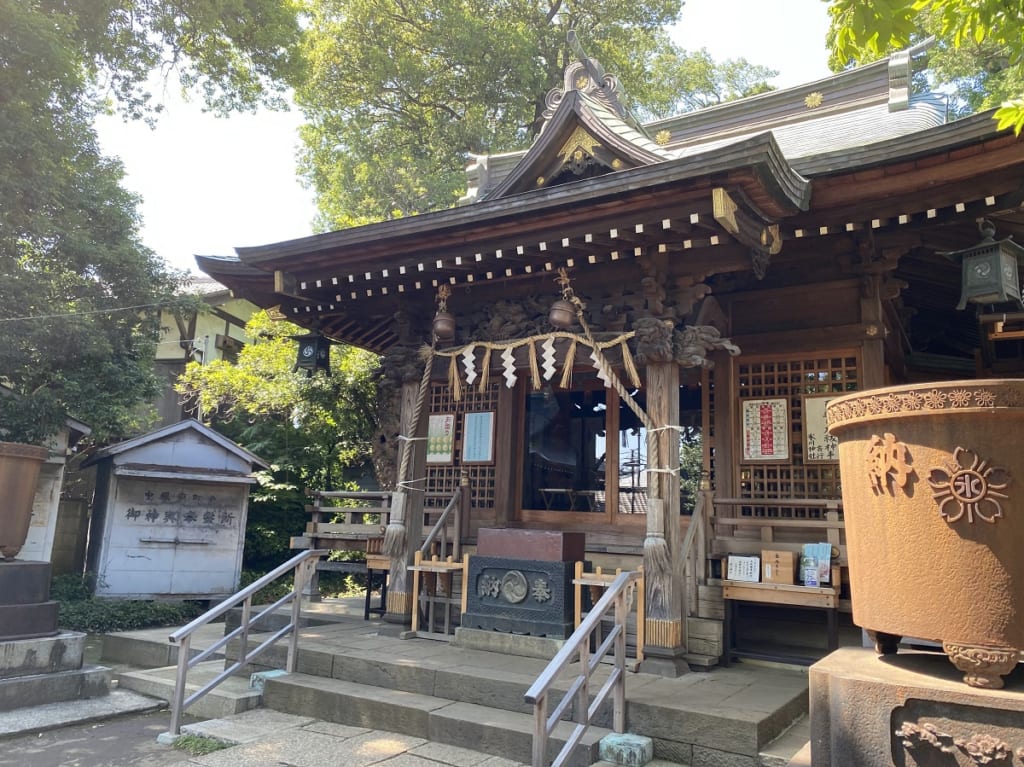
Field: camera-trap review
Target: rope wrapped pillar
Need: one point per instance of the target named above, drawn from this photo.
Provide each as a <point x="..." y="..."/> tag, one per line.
<point x="405" y="526"/>
<point x="664" y="636"/>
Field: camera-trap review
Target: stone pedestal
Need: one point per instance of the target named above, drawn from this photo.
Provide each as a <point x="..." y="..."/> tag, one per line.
<point x="910" y="710"/>
<point x="26" y="610"/>
<point x="38" y="664"/>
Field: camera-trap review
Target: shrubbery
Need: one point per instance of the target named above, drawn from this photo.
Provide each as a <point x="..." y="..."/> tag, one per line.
<point x="79" y="611"/>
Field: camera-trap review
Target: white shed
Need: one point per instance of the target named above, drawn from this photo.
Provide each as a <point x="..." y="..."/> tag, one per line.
<point x="169" y="514"/>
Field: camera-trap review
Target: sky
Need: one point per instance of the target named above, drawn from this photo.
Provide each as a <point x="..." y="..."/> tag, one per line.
<point x="209" y="185"/>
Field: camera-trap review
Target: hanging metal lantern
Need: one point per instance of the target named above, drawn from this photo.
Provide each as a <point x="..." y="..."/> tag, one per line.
<point x="990" y="270"/>
<point x="314" y="353"/>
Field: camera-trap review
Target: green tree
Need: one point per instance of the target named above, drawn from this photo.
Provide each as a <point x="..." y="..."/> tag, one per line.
<point x="79" y="292"/>
<point x="980" y="46"/>
<point x="399" y="91"/>
<point x="315" y="430"/>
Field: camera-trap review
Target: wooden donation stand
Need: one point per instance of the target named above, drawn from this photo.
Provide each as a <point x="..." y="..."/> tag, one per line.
<point x="824" y="597"/>
<point x="433" y="579"/>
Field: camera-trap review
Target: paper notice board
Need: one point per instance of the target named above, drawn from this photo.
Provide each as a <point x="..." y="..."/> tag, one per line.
<point x="765" y="424"/>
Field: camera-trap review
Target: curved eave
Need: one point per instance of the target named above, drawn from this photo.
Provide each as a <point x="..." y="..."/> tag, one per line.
<point x="754" y="165"/>
<point x="243" y="280"/>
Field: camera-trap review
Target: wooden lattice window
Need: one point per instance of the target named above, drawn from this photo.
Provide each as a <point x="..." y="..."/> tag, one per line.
<point x="792" y="378"/>
<point x="443" y="479"/>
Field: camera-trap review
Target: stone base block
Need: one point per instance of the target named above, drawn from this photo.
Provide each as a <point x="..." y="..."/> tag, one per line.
<point x="259" y="679"/>
<point x="626" y="749"/>
<point x="25" y="607"/>
<point x="522" y="645"/>
<point x="28" y="621"/>
<point x="48" y="655"/>
<point x="38" y="689"/>
<point x="665" y="661"/>
<point x="23" y="582"/>
<point x="910" y="710"/>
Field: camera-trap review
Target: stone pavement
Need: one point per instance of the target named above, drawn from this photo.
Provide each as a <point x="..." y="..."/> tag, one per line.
<point x="257" y="738"/>
<point x="266" y="738"/>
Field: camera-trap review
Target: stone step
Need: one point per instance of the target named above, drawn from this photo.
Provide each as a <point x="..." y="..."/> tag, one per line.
<point x="477" y="678"/>
<point x="231" y="696"/>
<point x="725" y="716"/>
<point x="686" y="716"/>
<point x="493" y="731"/>
<point x="38" y="689"/>
<point x="781" y="751"/>
<point x="150" y="648"/>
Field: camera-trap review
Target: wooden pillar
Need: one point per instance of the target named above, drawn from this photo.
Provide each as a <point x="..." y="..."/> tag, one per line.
<point x="873" y="348"/>
<point x="399" y="601"/>
<point x="664" y="640"/>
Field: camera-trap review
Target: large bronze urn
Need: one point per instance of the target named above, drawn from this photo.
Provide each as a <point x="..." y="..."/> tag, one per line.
<point x="19" y="474"/>
<point x="933" y="497"/>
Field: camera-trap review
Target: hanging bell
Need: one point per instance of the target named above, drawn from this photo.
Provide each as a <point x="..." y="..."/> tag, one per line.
<point x="444" y="326"/>
<point x="562" y="314"/>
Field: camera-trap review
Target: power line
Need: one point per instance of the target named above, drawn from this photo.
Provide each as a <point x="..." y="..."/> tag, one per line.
<point x="83" y="314"/>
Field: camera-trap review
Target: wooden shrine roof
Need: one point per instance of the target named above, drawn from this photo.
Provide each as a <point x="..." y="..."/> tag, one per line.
<point x="896" y="176"/>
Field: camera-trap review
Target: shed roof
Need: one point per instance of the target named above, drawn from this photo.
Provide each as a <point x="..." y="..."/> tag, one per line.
<point x="188" y="424"/>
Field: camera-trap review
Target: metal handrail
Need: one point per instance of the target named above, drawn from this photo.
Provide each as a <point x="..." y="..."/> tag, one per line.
<point x="616" y="597"/>
<point x="304" y="565"/>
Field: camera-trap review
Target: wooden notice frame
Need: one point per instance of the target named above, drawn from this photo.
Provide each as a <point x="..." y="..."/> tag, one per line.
<point x="819" y="445"/>
<point x="440" y="438"/>
<point x="764" y="424"/>
<point x="478" y="437"/>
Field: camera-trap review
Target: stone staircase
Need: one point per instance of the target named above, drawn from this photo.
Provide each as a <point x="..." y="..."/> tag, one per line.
<point x="351" y="672"/>
<point x="146" y="663"/>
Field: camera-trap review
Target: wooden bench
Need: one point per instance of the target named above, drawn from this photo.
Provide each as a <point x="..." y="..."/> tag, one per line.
<point x="350" y="528"/>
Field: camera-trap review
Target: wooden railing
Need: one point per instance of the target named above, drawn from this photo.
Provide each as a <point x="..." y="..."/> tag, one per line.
<point x="616" y="601"/>
<point x="303" y="566"/>
<point x="435" y="568"/>
<point x="457" y="505"/>
<point x="596" y="582"/>
<point x="748" y="534"/>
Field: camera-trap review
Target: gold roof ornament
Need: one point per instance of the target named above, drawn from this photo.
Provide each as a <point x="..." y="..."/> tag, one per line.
<point x="579" y="142"/>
